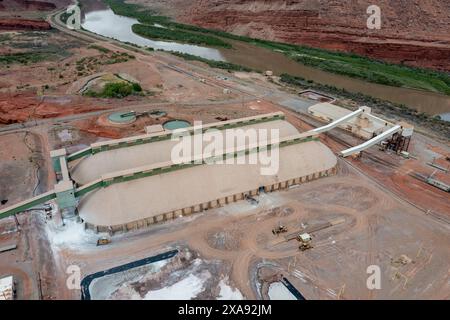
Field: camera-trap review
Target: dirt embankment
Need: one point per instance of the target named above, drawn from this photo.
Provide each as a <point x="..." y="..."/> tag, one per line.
<point x="413" y="32"/>
<point x="20" y="14"/>
<point x="23" y="24"/>
<point x="20" y="108"/>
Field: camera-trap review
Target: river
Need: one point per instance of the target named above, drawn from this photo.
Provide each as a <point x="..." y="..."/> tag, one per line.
<point x="104" y="22"/>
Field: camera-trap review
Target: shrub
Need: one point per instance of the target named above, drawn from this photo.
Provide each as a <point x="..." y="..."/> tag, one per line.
<point x="116" y="90"/>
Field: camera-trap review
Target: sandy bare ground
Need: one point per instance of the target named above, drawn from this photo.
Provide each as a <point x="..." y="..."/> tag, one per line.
<point x="380" y="222"/>
<point x="378" y="227"/>
<point x="377" y="230"/>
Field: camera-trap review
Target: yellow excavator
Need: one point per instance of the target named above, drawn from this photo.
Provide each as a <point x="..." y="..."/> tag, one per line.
<point x="103" y="241"/>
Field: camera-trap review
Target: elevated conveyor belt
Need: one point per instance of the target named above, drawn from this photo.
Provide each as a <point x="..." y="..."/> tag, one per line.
<point x="27" y="204"/>
<point x="336" y="123"/>
<point x="371" y="142"/>
<point x="149" y="138"/>
<point x="160" y="168"/>
<point x="206" y="158"/>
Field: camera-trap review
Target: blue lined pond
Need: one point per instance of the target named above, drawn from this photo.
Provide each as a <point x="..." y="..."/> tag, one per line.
<point x="176" y="124"/>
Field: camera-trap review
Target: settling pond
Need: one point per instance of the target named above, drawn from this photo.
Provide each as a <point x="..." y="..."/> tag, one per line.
<point x="176" y="124"/>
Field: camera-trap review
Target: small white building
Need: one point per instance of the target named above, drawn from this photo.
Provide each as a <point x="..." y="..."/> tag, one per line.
<point x="7" y="288"/>
<point x="157" y="128"/>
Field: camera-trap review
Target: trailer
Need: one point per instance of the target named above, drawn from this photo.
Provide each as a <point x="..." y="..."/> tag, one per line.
<point x="7" y="288"/>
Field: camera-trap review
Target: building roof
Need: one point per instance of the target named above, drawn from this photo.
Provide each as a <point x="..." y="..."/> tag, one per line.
<point x="93" y="167"/>
<point x="132" y="201"/>
<point x="331" y="112"/>
<point x="7" y="288"/>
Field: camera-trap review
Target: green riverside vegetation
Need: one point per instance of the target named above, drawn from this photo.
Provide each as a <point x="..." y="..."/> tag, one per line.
<point x="346" y="64"/>
<point x="178" y="35"/>
<point x="213" y="63"/>
<point x="147" y="29"/>
<point x="349" y="64"/>
<point x="373" y="71"/>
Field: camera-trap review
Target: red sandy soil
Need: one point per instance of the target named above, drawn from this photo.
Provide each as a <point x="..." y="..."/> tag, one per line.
<point x="425" y="196"/>
<point x="23" y="24"/>
<point x="413" y="32"/>
<point x="23" y="107"/>
<point x="394" y="173"/>
<point x="19" y="14"/>
<point x="13" y="5"/>
<point x="102" y="128"/>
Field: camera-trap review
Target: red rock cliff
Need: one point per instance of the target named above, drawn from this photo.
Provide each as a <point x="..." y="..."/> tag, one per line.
<point x="23" y="24"/>
<point x="30" y="5"/>
<point x="415" y="32"/>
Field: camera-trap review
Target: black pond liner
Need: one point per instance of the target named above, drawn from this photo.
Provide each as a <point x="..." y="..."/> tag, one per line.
<point x="86" y="282"/>
<point x="293" y="290"/>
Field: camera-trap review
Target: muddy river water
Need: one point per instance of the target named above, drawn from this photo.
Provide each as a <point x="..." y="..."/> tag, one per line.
<point x="106" y="23"/>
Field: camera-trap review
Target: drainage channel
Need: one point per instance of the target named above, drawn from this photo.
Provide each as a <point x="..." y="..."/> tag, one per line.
<point x="86" y="282"/>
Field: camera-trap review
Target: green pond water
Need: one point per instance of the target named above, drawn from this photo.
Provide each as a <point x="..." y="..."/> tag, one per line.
<point x="176" y="124"/>
<point x="122" y="117"/>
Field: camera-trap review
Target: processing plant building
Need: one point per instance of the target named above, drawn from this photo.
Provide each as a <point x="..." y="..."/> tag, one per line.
<point x="155" y="198"/>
